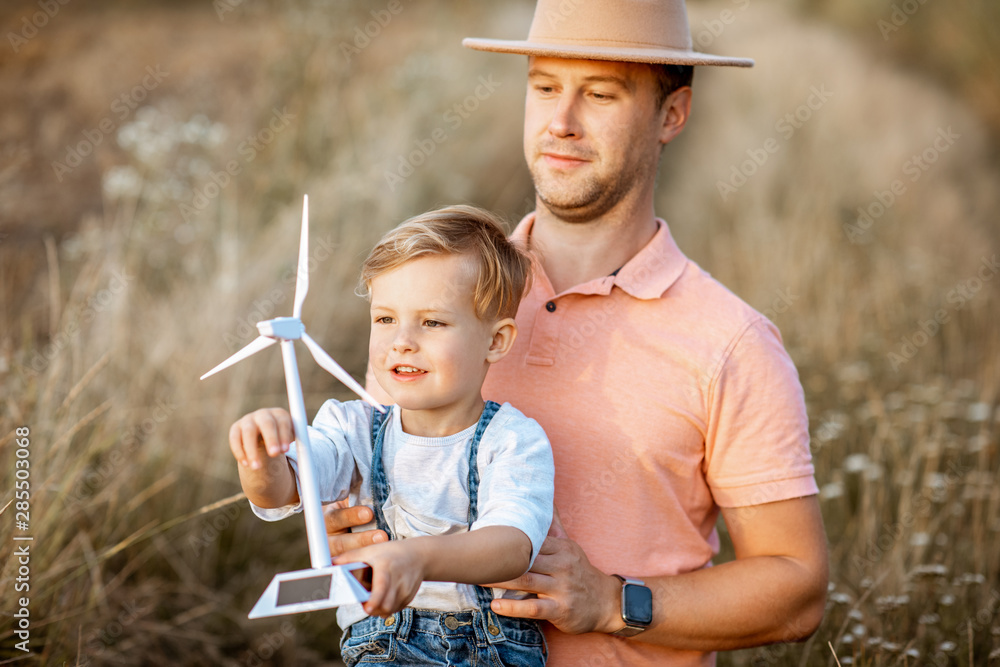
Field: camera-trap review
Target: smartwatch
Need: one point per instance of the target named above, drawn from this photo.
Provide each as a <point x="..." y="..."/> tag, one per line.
<point x="637" y="607"/>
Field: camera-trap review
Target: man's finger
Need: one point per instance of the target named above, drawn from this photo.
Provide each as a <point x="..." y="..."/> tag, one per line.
<point x="557" y="529"/>
<point x="339" y="517"/>
<point x="537" y="608"/>
<point x="342" y="543"/>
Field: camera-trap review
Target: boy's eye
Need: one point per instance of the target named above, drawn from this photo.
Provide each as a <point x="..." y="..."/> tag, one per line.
<point x="433" y="323"/>
<point x="384" y="319"/>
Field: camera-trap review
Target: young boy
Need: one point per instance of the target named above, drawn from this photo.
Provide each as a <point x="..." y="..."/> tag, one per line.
<point x="462" y="487"/>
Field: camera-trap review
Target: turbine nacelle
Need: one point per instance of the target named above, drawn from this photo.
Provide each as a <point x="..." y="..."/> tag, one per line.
<point x="282" y="328"/>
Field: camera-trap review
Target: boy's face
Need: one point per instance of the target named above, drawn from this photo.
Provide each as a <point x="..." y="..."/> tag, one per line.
<point x="428" y="349"/>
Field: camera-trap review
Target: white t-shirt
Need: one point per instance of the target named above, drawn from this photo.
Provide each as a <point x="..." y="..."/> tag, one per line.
<point x="428" y="484"/>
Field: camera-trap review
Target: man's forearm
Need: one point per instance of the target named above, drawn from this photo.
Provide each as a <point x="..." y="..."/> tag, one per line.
<point x="743" y="603"/>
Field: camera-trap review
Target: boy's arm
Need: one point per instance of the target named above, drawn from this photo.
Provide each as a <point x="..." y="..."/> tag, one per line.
<point x="491" y="553"/>
<point x="259" y="441"/>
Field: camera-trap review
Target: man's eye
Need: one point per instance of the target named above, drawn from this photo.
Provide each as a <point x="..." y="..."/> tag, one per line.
<point x="602" y="96"/>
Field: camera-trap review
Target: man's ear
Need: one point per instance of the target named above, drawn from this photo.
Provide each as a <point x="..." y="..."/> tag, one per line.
<point x="504" y="333"/>
<point x="676" y="110"/>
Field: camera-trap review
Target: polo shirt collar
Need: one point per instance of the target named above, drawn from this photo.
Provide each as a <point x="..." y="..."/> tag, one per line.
<point x="647" y="275"/>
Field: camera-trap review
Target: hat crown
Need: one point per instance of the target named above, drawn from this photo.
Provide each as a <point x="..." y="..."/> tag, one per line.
<point x="653" y="24"/>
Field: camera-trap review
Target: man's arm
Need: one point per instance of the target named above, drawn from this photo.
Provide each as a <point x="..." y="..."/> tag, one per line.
<point x="774" y="591"/>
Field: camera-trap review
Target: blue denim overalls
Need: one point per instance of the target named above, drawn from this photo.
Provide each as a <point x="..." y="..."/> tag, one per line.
<point x="425" y="637"/>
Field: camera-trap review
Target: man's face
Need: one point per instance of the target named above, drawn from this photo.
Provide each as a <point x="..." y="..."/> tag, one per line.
<point x="591" y="133"/>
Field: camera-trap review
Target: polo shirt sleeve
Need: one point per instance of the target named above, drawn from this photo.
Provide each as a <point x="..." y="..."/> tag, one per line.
<point x="757" y="440"/>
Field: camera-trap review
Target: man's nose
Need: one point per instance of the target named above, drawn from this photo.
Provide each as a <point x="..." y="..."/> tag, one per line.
<point x="564" y="122"/>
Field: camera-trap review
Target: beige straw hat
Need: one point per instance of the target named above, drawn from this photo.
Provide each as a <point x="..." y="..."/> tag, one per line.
<point x="641" y="31"/>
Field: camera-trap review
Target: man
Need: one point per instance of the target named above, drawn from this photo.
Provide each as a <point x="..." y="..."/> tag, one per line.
<point x="665" y="397"/>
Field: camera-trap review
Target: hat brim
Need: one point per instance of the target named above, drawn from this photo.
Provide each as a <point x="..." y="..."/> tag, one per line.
<point x="631" y="55"/>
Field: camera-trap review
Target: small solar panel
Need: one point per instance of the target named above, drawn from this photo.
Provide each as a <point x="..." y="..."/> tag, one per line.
<point x="311" y="590"/>
<point x="304" y="590"/>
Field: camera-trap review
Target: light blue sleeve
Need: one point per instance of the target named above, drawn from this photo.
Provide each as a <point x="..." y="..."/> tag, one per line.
<point x="516" y="477"/>
<point x="330" y="435"/>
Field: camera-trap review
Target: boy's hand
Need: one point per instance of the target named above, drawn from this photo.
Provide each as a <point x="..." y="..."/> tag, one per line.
<point x="397" y="572"/>
<point x="267" y="429"/>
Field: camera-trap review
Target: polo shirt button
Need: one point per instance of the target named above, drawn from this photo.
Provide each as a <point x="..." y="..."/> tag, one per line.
<point x="550" y="306"/>
<point x="391" y="621"/>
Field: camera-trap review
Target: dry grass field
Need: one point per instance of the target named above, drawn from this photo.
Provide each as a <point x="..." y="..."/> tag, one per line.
<point x="153" y="157"/>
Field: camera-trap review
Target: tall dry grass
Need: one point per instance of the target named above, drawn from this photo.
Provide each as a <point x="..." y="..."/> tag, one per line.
<point x="144" y="553"/>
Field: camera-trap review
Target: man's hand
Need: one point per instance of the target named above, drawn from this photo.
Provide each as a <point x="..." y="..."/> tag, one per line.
<point x="340" y="519"/>
<point x="573" y="595"/>
<point x="397" y="572"/>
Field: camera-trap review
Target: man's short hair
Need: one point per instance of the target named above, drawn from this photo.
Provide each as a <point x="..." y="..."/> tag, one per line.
<point x="669" y="78"/>
<point x="503" y="268"/>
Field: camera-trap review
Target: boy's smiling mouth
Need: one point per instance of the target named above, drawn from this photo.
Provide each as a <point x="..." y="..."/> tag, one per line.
<point x="407" y="371"/>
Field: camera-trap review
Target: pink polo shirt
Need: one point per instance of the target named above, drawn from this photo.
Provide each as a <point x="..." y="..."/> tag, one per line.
<point x="665" y="397"/>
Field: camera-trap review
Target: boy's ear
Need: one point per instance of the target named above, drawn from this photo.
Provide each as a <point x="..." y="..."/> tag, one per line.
<point x="504" y="333"/>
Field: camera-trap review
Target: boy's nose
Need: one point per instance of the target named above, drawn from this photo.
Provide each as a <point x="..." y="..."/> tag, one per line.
<point x="403" y="341"/>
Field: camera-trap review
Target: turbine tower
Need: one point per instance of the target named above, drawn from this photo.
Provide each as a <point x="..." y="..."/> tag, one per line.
<point x="324" y="585"/>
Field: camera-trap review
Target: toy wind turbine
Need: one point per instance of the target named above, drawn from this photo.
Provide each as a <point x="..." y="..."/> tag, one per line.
<point x="323" y="586"/>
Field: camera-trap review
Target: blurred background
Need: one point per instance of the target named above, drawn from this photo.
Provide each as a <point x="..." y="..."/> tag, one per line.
<point x="153" y="158"/>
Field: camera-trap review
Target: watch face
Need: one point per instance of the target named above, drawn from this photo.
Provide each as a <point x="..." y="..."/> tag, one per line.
<point x="638" y="603"/>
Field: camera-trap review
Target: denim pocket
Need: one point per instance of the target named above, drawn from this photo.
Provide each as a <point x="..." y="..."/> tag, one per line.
<point x="368" y="649"/>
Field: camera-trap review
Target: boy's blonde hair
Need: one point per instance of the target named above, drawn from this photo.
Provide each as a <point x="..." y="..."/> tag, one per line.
<point x="503" y="269"/>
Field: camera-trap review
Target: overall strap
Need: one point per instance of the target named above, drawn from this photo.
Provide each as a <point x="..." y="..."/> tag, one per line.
<point x="379" y="482"/>
<point x="483" y="595"/>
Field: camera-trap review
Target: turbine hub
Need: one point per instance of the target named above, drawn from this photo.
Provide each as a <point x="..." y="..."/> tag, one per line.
<point x="282" y="328"/>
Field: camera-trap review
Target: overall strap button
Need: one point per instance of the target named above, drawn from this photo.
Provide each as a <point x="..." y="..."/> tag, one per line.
<point x="450" y="622"/>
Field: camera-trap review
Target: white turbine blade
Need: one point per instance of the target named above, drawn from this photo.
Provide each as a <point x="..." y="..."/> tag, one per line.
<point x="302" y="272"/>
<point x="256" y="345"/>
<point x="327" y="362"/>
